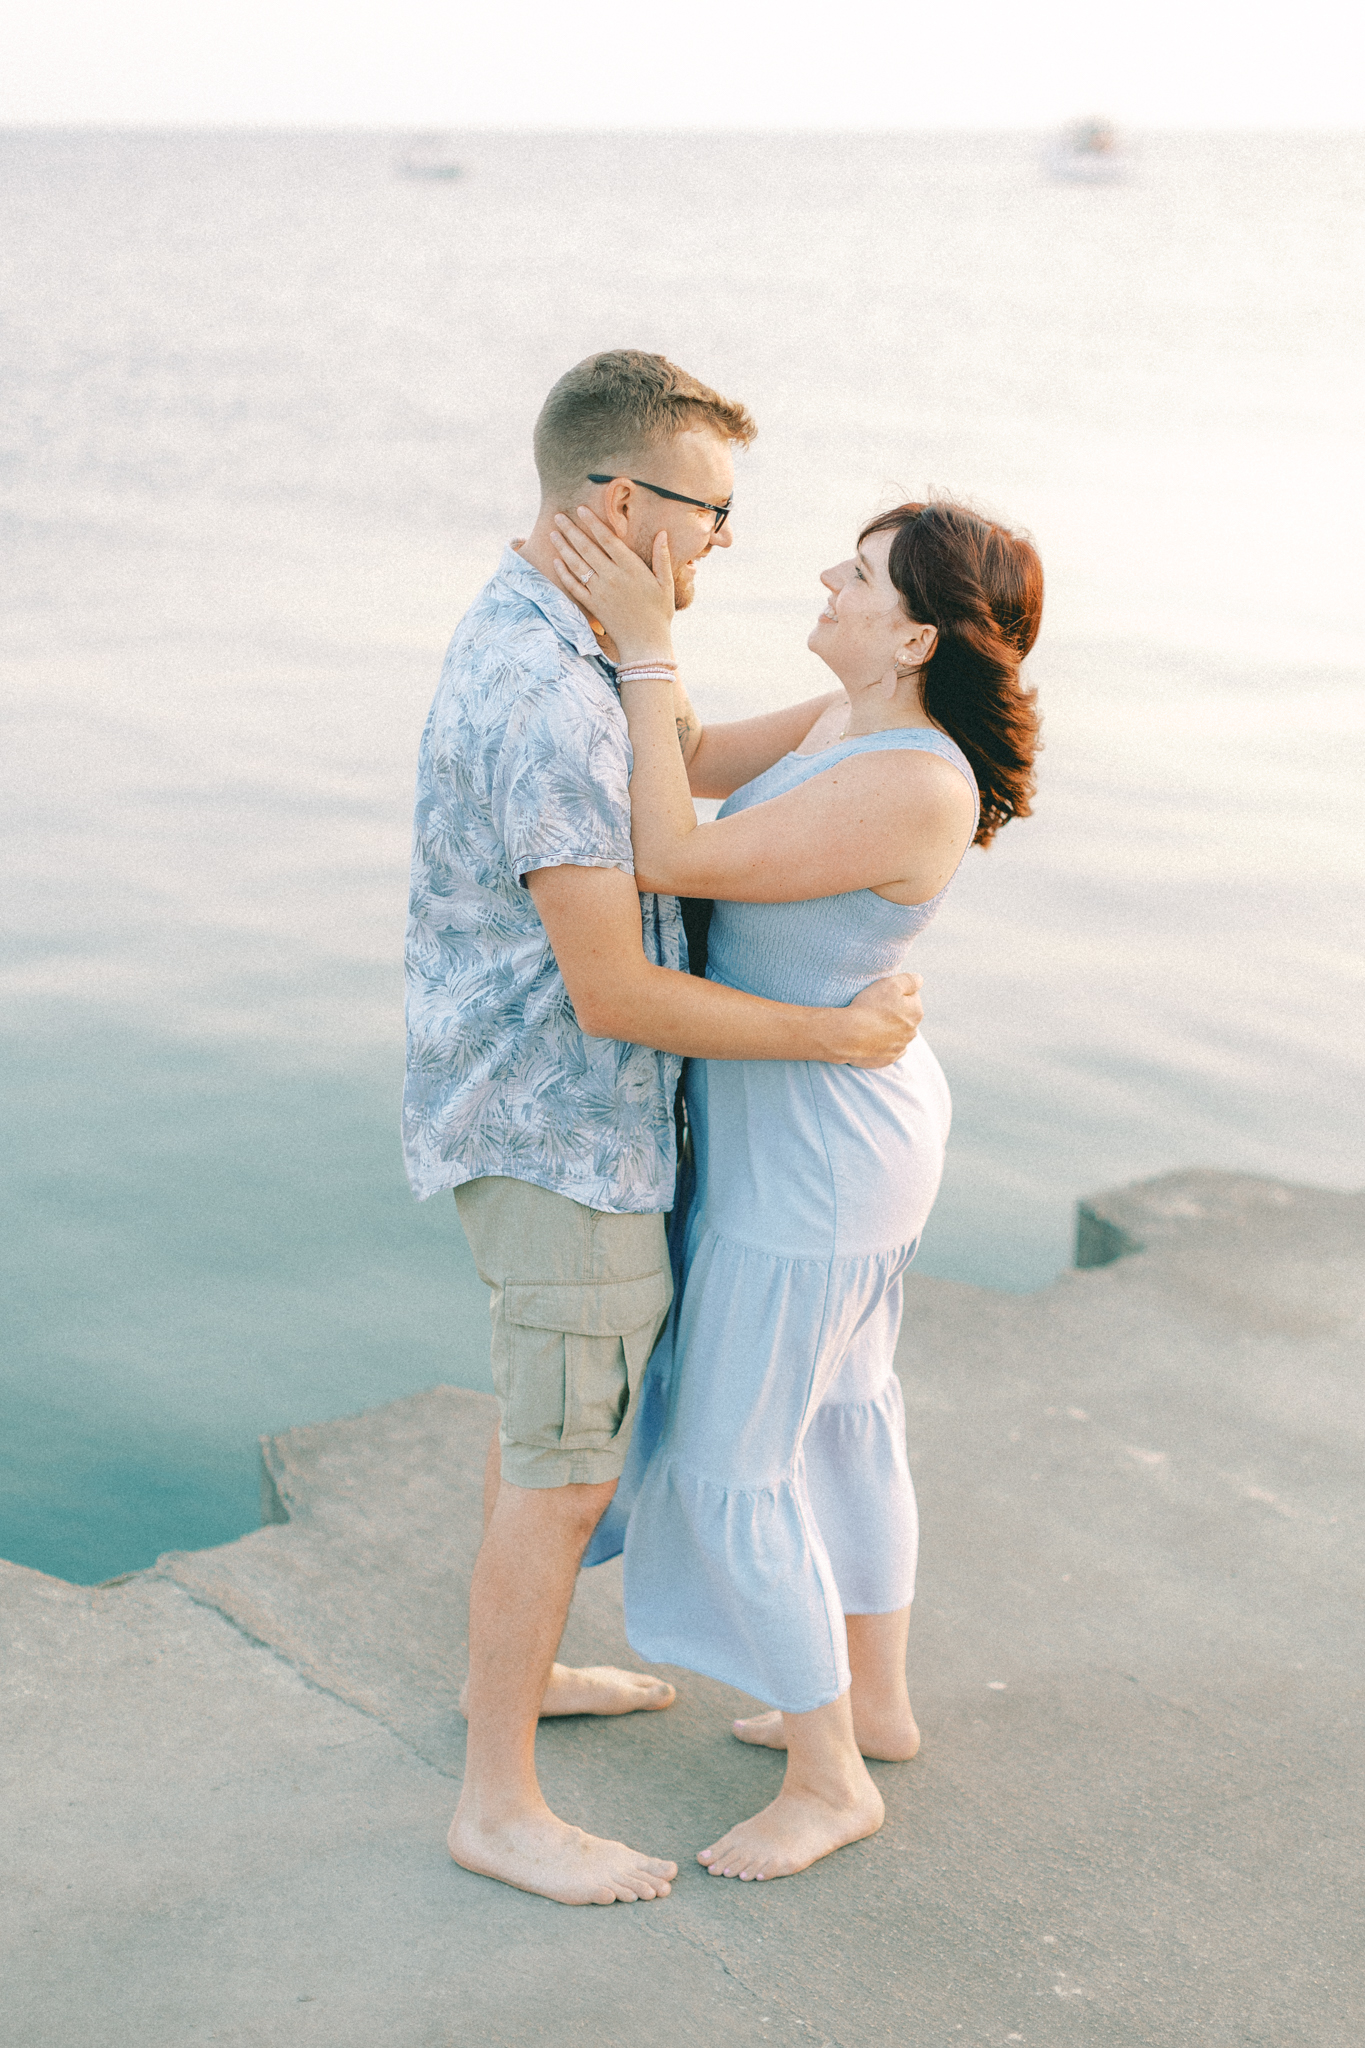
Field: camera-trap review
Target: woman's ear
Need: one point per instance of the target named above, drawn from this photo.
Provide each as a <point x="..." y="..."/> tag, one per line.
<point x="916" y="650"/>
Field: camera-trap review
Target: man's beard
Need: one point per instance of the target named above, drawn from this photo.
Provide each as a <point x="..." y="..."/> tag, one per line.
<point x="684" y="576"/>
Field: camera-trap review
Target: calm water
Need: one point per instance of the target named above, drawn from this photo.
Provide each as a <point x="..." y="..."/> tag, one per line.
<point x="267" y="420"/>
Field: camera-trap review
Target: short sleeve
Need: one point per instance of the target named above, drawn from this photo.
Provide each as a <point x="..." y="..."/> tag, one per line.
<point x="561" y="792"/>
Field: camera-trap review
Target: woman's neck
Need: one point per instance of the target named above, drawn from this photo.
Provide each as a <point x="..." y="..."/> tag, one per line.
<point x="870" y="711"/>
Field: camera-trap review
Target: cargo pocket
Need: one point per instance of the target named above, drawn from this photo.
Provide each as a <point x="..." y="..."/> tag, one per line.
<point x="577" y="1357"/>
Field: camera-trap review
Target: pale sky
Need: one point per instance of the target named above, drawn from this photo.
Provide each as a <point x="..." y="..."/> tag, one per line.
<point x="881" y="64"/>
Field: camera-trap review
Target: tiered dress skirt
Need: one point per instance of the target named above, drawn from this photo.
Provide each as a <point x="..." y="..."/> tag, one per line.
<point x="768" y="1491"/>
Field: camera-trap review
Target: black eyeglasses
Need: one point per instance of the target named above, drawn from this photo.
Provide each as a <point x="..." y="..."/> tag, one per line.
<point x="722" y="512"/>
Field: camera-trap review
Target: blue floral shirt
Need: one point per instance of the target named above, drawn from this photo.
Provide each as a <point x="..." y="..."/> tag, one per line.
<point x="525" y="763"/>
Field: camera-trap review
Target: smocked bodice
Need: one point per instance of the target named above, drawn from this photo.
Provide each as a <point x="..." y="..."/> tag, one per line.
<point x="824" y="950"/>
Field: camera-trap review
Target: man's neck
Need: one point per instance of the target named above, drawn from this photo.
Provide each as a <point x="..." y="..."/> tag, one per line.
<point x="539" y="550"/>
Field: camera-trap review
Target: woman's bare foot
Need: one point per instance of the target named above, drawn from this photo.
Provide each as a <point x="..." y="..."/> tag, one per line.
<point x="597" y="1689"/>
<point x="890" y="1737"/>
<point x="541" y="1853"/>
<point x="794" y="1832"/>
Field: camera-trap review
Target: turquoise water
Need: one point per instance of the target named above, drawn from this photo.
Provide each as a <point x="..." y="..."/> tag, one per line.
<point x="266" y="427"/>
<point x="216" y="1249"/>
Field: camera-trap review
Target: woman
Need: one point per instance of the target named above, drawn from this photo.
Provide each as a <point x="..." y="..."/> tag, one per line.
<point x="773" y="1540"/>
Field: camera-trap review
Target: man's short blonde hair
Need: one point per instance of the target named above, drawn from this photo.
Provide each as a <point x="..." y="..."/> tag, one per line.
<point x="621" y="403"/>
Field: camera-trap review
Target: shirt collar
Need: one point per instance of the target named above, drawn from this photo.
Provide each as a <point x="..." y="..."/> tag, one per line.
<point x="561" y="612"/>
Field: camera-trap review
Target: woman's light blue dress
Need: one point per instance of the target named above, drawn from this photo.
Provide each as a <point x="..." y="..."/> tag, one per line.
<point x="768" y="1491"/>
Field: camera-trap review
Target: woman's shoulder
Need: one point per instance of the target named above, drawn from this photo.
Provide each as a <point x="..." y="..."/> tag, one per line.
<point x="922" y="774"/>
<point x="923" y="752"/>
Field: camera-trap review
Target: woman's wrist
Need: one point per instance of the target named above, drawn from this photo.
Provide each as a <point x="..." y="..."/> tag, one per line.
<point x="645" y="654"/>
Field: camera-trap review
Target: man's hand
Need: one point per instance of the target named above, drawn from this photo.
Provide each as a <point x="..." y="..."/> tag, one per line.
<point x="889" y="1013"/>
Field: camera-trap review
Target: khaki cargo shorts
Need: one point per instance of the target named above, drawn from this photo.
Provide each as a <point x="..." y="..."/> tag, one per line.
<point x="579" y="1297"/>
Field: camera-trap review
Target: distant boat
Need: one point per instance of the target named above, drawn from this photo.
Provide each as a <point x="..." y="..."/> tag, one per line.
<point x="429" y="156"/>
<point x="1089" y="154"/>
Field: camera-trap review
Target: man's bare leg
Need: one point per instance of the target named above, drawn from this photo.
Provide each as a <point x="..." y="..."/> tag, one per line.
<point x="827" y="1800"/>
<point x="883" y="1725"/>
<point x="492" y="1479"/>
<point x="583" y="1689"/>
<point x="518" y="1604"/>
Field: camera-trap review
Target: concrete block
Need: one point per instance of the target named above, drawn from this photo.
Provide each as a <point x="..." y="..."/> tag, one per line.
<point x="1136" y="1658"/>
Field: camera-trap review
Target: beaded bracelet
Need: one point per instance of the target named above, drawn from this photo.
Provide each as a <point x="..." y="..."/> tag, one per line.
<point x="648" y="671"/>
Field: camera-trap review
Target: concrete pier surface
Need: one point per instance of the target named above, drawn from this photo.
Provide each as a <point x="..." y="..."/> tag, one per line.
<point x="1136" y="1659"/>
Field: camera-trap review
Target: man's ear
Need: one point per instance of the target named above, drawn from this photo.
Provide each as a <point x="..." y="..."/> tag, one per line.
<point x="616" y="497"/>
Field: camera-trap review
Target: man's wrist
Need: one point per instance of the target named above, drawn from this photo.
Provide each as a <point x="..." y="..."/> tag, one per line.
<point x="837" y="1035"/>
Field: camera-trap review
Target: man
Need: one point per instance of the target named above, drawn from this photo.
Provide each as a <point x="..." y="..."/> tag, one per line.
<point x="548" y="1010"/>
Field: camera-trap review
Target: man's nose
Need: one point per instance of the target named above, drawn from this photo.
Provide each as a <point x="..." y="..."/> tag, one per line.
<point x="725" y="536"/>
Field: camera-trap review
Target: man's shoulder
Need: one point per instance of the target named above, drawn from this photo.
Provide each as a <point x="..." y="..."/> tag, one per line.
<point x="510" y="682"/>
<point x="503" y="635"/>
<point x="505" y="646"/>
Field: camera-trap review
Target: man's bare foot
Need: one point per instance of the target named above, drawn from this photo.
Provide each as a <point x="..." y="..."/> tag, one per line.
<point x="541" y="1853"/>
<point x="890" y="1738"/>
<point x="792" y="1833"/>
<point x="597" y="1689"/>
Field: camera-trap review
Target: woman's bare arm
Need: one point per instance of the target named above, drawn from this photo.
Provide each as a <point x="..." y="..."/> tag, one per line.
<point x="896" y="820"/>
<point x="880" y="820"/>
<point x="727" y="756"/>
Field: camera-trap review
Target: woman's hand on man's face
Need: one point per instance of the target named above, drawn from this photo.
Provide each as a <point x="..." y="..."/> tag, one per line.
<point x="633" y="600"/>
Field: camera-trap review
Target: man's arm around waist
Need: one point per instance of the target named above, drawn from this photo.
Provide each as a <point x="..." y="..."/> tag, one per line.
<point x="592" y="919"/>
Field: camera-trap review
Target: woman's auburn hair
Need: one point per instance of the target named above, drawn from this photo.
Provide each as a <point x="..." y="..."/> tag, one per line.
<point x="982" y="587"/>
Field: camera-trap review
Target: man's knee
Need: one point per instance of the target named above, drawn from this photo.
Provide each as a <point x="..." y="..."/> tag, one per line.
<point x="589" y="1504"/>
